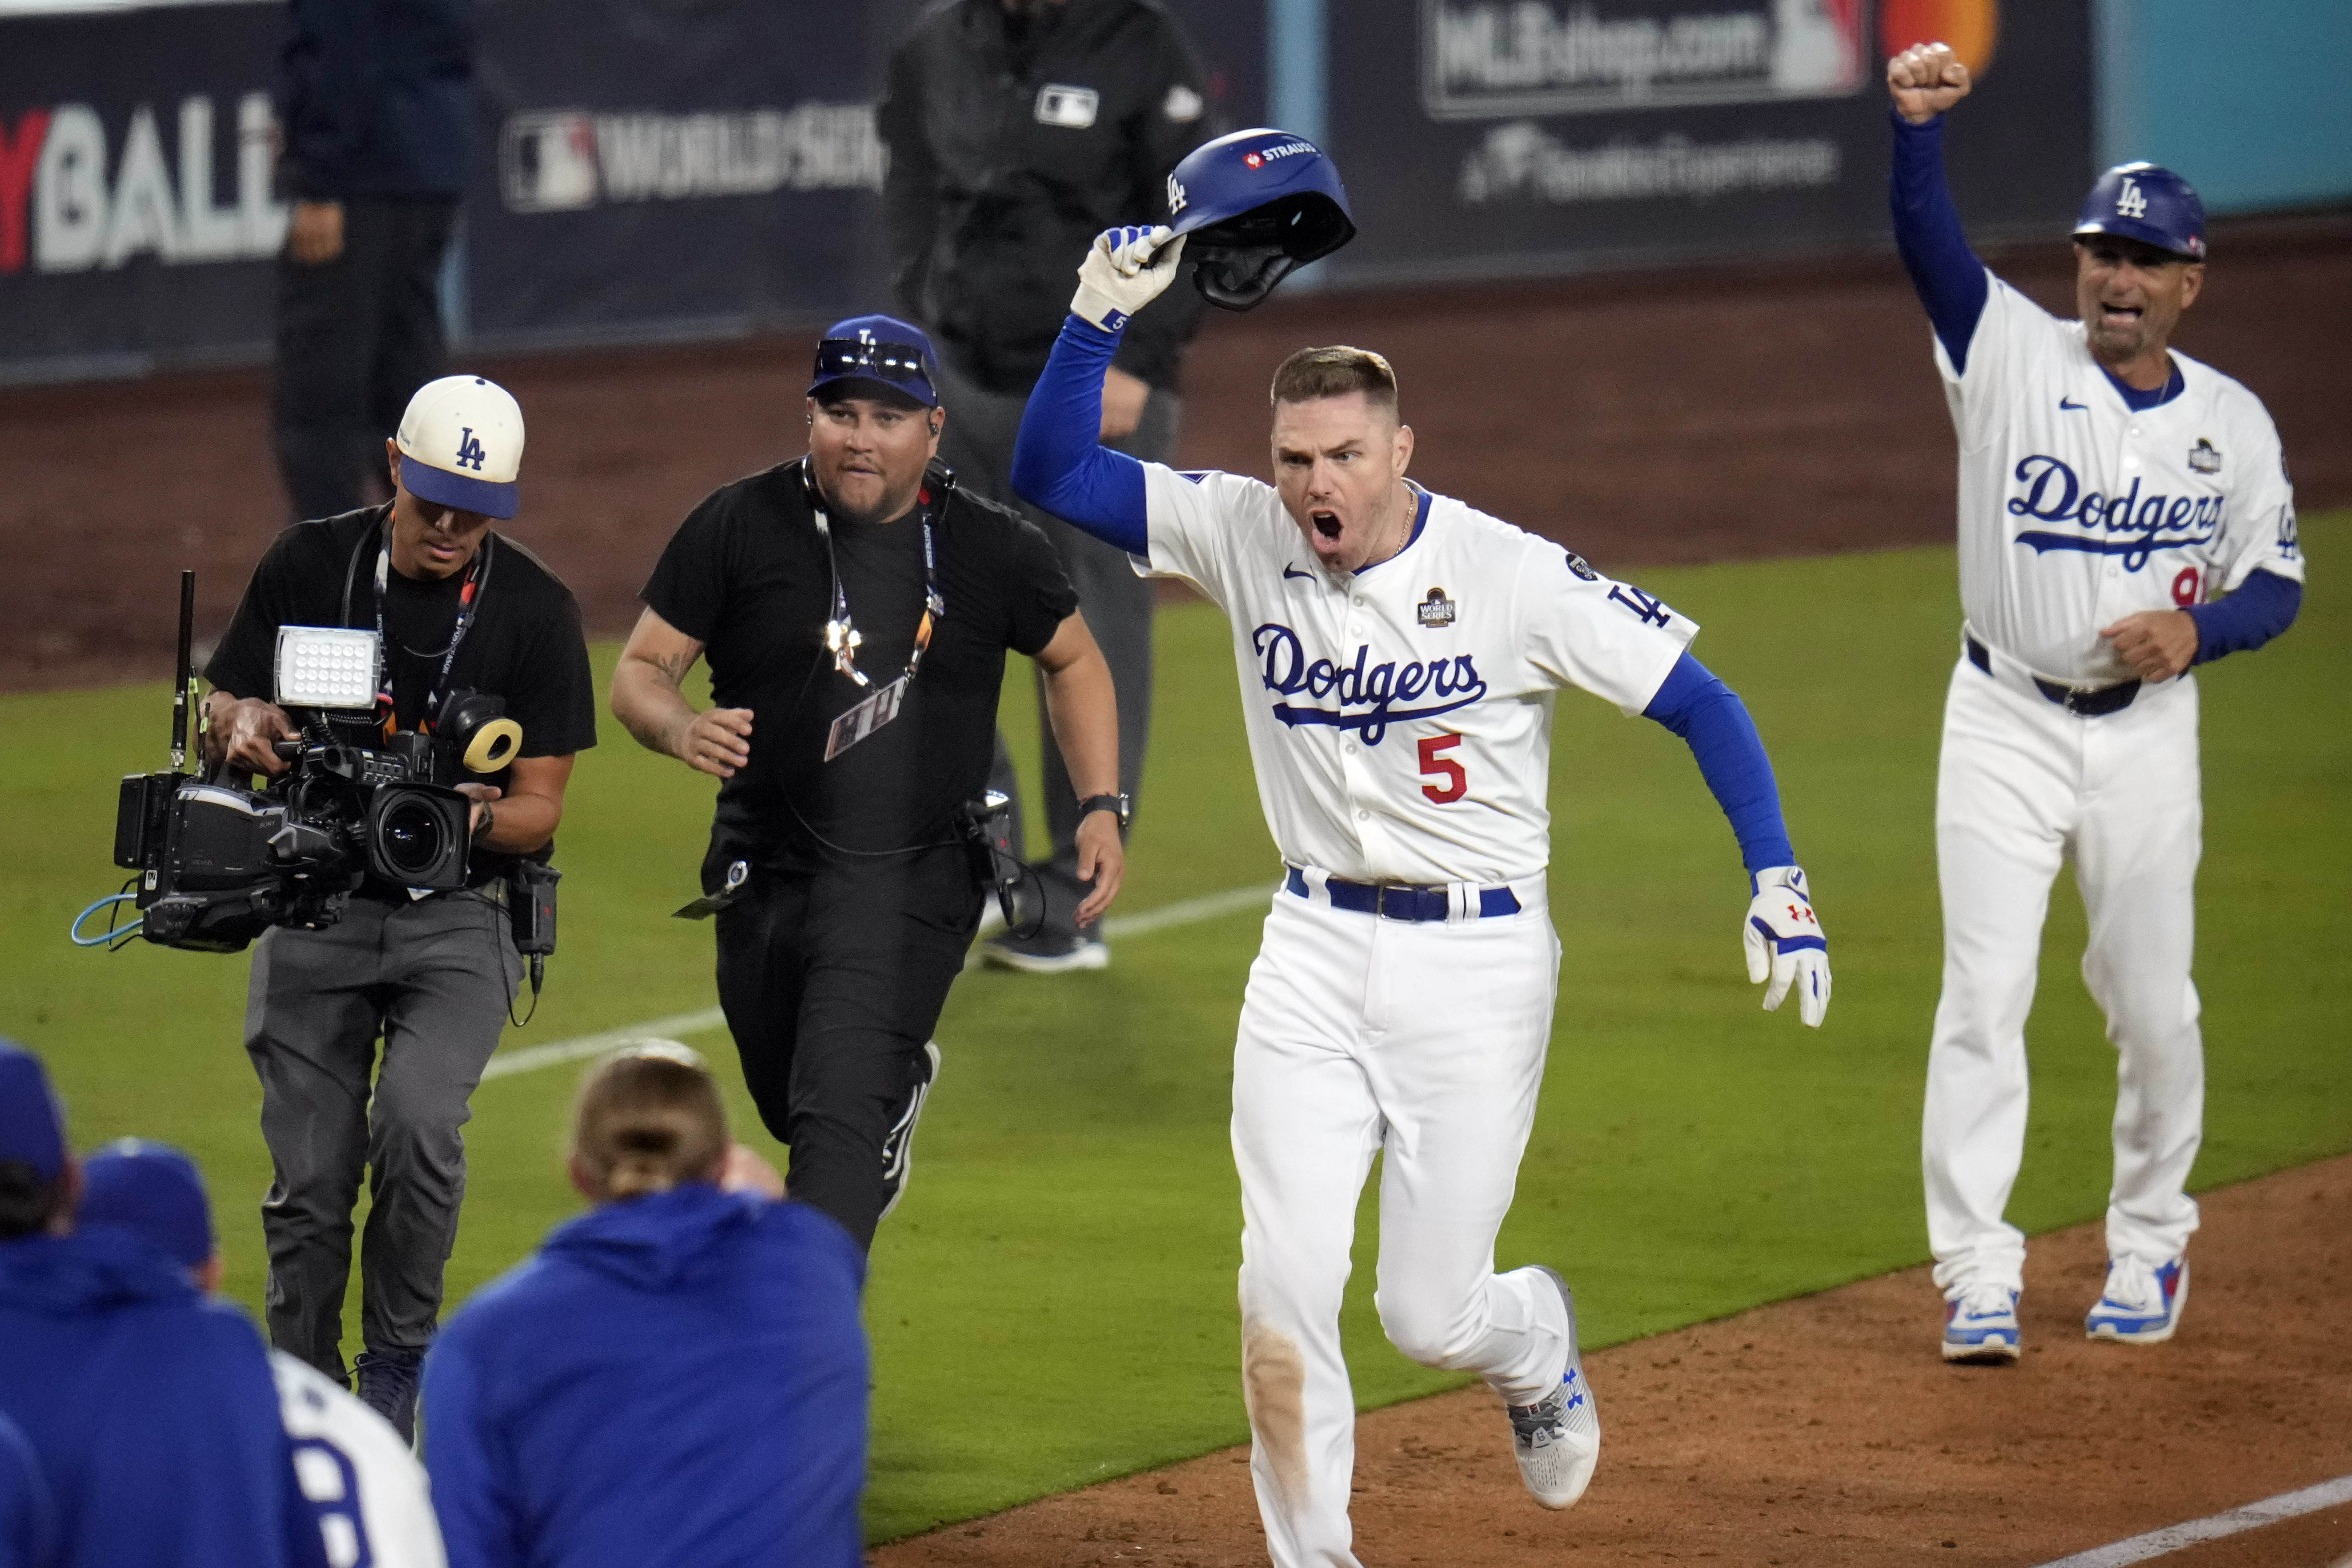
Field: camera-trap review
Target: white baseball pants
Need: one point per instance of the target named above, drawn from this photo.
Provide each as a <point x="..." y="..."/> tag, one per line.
<point x="1423" y="1042"/>
<point x="2024" y="783"/>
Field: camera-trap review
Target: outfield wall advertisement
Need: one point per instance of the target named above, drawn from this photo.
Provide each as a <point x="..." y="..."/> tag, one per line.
<point x="701" y="168"/>
<point x="1480" y="137"/>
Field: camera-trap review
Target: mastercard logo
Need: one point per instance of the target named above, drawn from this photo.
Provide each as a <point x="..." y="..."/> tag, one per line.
<point x="1970" y="26"/>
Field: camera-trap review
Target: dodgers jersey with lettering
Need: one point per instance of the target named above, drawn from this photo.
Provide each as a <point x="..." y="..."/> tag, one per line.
<point x="367" y="1491"/>
<point x="2076" y="509"/>
<point x="1400" y="716"/>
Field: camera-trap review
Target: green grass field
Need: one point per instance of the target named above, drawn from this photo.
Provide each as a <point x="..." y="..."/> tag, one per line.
<point x="1053" y="1302"/>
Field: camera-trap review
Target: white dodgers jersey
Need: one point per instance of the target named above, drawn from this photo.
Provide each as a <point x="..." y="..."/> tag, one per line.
<point x="2077" y="509"/>
<point x="369" y="1494"/>
<point x="1400" y="716"/>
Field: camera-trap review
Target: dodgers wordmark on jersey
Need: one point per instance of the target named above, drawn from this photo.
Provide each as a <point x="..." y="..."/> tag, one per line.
<point x="2077" y="509"/>
<point x="1400" y="716"/>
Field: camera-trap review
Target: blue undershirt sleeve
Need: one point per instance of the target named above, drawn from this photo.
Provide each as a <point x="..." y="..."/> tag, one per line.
<point x="1057" y="463"/>
<point x="2264" y="606"/>
<point x="1952" y="283"/>
<point x="1697" y="706"/>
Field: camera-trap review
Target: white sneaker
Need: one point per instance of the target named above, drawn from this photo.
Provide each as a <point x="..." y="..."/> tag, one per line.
<point x="2142" y="1303"/>
<point x="1980" y="1326"/>
<point x="1556" y="1440"/>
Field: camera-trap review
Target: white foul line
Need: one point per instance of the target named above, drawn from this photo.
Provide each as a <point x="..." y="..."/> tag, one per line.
<point x="1186" y="911"/>
<point x="2173" y="1537"/>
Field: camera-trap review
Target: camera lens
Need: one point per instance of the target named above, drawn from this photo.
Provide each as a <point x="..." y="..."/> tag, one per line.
<point x="413" y="837"/>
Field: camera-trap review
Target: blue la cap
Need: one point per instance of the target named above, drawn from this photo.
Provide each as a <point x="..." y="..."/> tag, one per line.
<point x="877" y="348"/>
<point x="152" y="1191"/>
<point x="31" y="1122"/>
<point x="2147" y="203"/>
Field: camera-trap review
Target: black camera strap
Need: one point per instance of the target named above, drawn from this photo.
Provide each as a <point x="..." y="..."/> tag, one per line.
<point x="469" y="600"/>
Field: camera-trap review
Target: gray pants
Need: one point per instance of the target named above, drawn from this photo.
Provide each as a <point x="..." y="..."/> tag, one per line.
<point x="434" y="979"/>
<point x="978" y="445"/>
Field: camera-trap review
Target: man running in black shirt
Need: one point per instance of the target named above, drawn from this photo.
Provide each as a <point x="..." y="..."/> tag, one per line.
<point x="856" y="608"/>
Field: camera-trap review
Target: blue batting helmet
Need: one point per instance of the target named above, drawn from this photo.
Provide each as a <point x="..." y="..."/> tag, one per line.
<point x="2150" y="204"/>
<point x="1256" y="204"/>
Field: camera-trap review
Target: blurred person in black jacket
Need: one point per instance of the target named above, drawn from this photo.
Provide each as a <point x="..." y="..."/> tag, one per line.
<point x="1018" y="131"/>
<point x="375" y="104"/>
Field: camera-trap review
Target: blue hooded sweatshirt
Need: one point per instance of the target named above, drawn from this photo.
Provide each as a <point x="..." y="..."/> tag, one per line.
<point x="150" y="1410"/>
<point x="679" y="1379"/>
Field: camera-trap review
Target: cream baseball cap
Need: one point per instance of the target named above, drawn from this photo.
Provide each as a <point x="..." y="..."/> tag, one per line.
<point x="461" y="444"/>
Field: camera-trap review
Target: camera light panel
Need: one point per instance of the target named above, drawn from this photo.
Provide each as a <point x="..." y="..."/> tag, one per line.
<point x="326" y="666"/>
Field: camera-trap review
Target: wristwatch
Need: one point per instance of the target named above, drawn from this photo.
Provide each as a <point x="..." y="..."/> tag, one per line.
<point x="1116" y="804"/>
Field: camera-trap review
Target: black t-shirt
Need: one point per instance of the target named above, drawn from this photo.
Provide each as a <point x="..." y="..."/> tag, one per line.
<point x="747" y="577"/>
<point x="524" y="644"/>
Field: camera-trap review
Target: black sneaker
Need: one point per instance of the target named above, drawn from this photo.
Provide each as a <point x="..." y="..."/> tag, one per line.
<point x="388" y="1388"/>
<point x="1048" y="953"/>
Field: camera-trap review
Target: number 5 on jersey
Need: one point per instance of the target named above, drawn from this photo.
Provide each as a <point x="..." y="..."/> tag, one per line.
<point x="1434" y="765"/>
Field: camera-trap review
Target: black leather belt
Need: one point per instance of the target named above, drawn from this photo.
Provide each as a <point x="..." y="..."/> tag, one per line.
<point x="2090" y="703"/>
<point x="1392" y="901"/>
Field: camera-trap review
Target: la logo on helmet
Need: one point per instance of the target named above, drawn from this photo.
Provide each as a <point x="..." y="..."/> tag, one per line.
<point x="2130" y="202"/>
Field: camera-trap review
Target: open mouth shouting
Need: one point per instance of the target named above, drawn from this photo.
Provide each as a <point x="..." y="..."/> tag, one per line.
<point x="1326" y="525"/>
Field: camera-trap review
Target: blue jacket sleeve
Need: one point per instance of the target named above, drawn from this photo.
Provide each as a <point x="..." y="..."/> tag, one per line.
<point x="1707" y="714"/>
<point x="2264" y="606"/>
<point x="1057" y="463"/>
<point x="475" y="1526"/>
<point x="1952" y="283"/>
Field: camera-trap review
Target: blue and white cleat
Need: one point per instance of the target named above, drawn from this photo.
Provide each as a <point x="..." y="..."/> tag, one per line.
<point x="2142" y="1303"/>
<point x="1556" y="1440"/>
<point x="1980" y="1326"/>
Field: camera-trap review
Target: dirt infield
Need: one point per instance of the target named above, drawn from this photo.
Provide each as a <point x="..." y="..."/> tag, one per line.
<point x="1693" y="415"/>
<point x="1825" y="1432"/>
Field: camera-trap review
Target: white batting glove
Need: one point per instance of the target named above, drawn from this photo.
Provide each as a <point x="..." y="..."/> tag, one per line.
<point x="1125" y="271"/>
<point x="1785" y="944"/>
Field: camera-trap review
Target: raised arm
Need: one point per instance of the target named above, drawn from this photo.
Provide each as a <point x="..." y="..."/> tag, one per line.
<point x="1058" y="462"/>
<point x="1924" y="82"/>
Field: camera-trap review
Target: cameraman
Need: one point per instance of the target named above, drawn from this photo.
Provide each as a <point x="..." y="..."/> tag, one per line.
<point x="456" y="607"/>
<point x="826" y="590"/>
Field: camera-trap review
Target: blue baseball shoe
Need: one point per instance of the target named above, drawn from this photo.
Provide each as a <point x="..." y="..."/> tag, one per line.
<point x="1556" y="1440"/>
<point x="1980" y="1326"/>
<point x="2142" y="1303"/>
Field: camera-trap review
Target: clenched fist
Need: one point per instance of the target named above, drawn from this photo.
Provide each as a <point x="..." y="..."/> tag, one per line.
<point x="1925" y="80"/>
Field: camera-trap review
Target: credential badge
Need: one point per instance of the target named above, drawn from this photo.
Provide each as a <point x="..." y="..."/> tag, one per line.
<point x="1436" y="610"/>
<point x="2203" y="458"/>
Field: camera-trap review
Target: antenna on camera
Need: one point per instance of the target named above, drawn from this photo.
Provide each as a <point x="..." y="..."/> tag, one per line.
<point x="187" y="676"/>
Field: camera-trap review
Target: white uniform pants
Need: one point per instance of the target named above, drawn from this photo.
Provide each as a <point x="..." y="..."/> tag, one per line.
<point x="1423" y="1042"/>
<point x="2022" y="783"/>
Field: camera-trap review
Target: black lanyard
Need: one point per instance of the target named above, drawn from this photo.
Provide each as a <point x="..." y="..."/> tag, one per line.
<point x="841" y="637"/>
<point x="470" y="599"/>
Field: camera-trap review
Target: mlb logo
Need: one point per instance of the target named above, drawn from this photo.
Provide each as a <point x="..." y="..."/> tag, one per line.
<point x="1070" y="108"/>
<point x="2203" y="458"/>
<point x="1436" y="611"/>
<point x="1252" y="160"/>
<point x="548" y="163"/>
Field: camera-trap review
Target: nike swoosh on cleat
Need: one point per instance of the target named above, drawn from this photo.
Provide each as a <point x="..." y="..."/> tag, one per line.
<point x="1290" y="570"/>
<point x="2071" y="406"/>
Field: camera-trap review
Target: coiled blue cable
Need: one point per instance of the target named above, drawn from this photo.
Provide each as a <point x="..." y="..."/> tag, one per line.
<point x="113" y="935"/>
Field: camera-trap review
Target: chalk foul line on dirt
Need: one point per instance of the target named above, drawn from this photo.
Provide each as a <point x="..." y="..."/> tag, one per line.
<point x="531" y="1058"/>
<point x="2173" y="1537"/>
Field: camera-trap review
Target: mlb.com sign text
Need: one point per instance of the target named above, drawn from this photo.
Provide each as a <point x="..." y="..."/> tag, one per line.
<point x="77" y="194"/>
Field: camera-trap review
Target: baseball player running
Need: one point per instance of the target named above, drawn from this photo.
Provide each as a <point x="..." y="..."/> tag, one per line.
<point x="1399" y="653"/>
<point x="2111" y="492"/>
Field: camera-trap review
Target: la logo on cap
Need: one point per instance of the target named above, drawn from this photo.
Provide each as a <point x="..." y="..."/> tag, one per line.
<point x="461" y="444"/>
